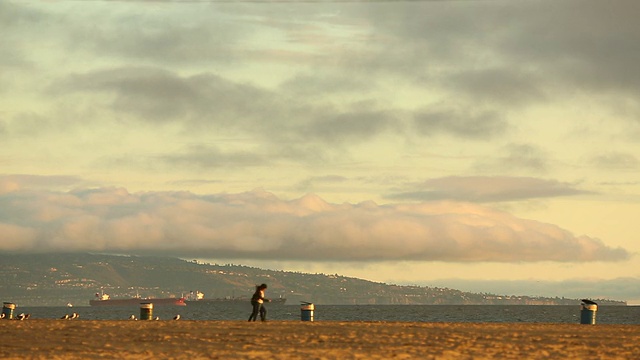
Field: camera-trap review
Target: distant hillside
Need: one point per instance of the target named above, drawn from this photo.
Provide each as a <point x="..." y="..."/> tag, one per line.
<point x="58" y="279"/>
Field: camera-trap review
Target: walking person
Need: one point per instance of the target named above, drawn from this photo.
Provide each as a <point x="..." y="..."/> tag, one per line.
<point x="257" y="301"/>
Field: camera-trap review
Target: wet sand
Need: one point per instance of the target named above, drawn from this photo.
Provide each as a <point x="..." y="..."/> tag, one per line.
<point x="126" y="339"/>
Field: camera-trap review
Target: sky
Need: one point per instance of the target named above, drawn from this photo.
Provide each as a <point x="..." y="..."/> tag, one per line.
<point x="480" y="145"/>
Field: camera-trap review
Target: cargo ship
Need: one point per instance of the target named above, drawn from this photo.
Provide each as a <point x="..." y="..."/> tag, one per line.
<point x="105" y="300"/>
<point x="198" y="298"/>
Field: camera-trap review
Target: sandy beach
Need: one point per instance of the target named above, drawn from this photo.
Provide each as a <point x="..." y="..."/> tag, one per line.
<point x="125" y="339"/>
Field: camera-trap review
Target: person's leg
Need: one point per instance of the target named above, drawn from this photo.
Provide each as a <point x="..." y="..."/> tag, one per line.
<point x="255" y="311"/>
<point x="263" y="313"/>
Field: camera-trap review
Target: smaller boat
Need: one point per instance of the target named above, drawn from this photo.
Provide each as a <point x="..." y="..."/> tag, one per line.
<point x="103" y="299"/>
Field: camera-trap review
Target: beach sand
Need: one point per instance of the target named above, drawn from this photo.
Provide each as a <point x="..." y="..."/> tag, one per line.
<point x="127" y="339"/>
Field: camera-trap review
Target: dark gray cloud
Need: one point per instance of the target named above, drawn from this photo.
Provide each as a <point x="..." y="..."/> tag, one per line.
<point x="502" y="52"/>
<point x="466" y="124"/>
<point x="258" y="225"/>
<point x="172" y="34"/>
<point x="16" y="36"/>
<point x="15" y="15"/>
<point x="349" y="126"/>
<point x="486" y="56"/>
<point x="310" y="84"/>
<point x="515" y="157"/>
<point x="161" y="96"/>
<point x="212" y="157"/>
<point x="594" y="51"/>
<point x="210" y="102"/>
<point x="509" y="52"/>
<point x="486" y="189"/>
<point x="497" y="86"/>
<point x="526" y="156"/>
<point x="12" y="14"/>
<point x="481" y="59"/>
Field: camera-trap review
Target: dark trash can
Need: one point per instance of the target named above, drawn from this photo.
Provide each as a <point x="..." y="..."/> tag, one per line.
<point x="146" y="311"/>
<point x="588" y="311"/>
<point x="7" y="310"/>
<point x="306" y="311"/>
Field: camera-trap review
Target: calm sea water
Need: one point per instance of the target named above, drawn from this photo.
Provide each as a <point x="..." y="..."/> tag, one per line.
<point x="421" y="313"/>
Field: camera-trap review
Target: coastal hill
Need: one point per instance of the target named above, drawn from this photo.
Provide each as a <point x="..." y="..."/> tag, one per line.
<point x="58" y="279"/>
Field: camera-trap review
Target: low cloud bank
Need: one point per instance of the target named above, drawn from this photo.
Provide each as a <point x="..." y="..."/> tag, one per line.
<point x="259" y="225"/>
<point x="486" y="189"/>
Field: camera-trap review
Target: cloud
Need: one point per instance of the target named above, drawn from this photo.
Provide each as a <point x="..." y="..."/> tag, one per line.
<point x="517" y="157"/>
<point x="486" y="189"/>
<point x="310" y="84"/>
<point x="155" y="68"/>
<point x="329" y="180"/>
<point x="204" y="100"/>
<point x="210" y="157"/>
<point x="616" y="160"/>
<point x="135" y="32"/>
<point x="349" y="126"/>
<point x="541" y="52"/>
<point x="160" y="96"/>
<point x="259" y="225"/>
<point x="593" y="52"/>
<point x="465" y="124"/>
<point x="15" y="21"/>
<point x="197" y="104"/>
<point x="525" y="156"/>
<point x="497" y="85"/>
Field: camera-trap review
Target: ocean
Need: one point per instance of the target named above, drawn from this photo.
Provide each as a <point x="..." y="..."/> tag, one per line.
<point x="420" y="313"/>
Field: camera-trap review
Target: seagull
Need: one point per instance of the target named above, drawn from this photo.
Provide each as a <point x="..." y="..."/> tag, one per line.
<point x="132" y="317"/>
<point x="21" y="317"/>
<point x="177" y="317"/>
<point x="589" y="302"/>
<point x="157" y="318"/>
<point x="3" y="315"/>
<point x="75" y="316"/>
<point x="65" y="317"/>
